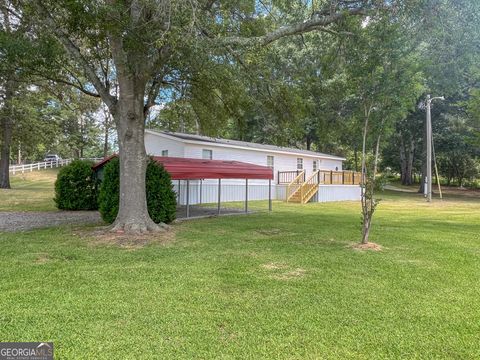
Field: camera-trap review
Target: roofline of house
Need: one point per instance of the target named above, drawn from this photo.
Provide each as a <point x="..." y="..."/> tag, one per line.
<point x="197" y="142"/>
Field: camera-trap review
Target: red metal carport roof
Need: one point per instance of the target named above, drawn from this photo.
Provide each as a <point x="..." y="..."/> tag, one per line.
<point x="194" y="169"/>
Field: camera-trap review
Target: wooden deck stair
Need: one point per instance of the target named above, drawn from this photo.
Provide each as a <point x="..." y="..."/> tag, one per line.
<point x="302" y="191"/>
<point x="299" y="191"/>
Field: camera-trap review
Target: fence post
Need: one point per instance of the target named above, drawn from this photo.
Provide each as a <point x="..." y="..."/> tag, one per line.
<point x="23" y="169"/>
<point x="219" y="195"/>
<point x="188" y="199"/>
<point x="269" y="195"/>
<point x="343" y="177"/>
<point x="331" y="177"/>
<point x="246" y="196"/>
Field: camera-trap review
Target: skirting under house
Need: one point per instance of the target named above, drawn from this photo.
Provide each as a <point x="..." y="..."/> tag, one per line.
<point x="206" y="191"/>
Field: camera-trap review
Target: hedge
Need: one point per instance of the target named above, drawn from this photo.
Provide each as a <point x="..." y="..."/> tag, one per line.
<point x="76" y="187"/>
<point x="161" y="199"/>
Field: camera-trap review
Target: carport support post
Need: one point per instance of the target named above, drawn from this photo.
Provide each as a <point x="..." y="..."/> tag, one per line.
<point x="219" y="195"/>
<point x="178" y="201"/>
<point x="188" y="198"/>
<point x="246" y="195"/>
<point x="269" y="195"/>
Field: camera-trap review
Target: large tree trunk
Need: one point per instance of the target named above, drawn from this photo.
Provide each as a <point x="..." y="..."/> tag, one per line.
<point x="403" y="161"/>
<point x="106" y="133"/>
<point x="5" y="152"/>
<point x="409" y="180"/>
<point x="133" y="214"/>
<point x="406" y="158"/>
<point x="355" y="155"/>
<point x="6" y="122"/>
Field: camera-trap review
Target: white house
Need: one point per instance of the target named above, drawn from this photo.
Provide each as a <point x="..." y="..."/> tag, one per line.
<point x="286" y="163"/>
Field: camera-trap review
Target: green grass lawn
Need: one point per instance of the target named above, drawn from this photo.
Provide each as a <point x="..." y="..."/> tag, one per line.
<point x="284" y="285"/>
<point x="32" y="191"/>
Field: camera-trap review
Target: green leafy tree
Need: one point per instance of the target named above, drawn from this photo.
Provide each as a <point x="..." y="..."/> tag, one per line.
<point x="142" y="45"/>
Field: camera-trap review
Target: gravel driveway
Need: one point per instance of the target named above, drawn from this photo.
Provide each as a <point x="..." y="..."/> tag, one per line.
<point x="27" y="220"/>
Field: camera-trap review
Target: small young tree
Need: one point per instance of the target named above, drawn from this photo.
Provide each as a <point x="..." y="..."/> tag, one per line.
<point x="386" y="81"/>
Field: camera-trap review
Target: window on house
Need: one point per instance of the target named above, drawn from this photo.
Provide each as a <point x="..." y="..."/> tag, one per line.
<point x="299" y="164"/>
<point x="207" y="154"/>
<point x="270" y="161"/>
<point x="315" y="165"/>
<point x="164" y="152"/>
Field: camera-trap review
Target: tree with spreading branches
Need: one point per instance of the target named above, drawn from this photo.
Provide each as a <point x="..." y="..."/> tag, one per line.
<point x="127" y="52"/>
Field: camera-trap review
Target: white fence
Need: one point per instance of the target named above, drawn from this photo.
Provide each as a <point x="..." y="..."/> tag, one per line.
<point x="205" y="193"/>
<point x="45" y="165"/>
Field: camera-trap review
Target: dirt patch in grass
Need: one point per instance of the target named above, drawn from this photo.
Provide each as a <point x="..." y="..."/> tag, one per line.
<point x="104" y="236"/>
<point x="270" y="232"/>
<point x="42" y="258"/>
<point x="289" y="275"/>
<point x="274" y="266"/>
<point x="371" y="246"/>
<point x="281" y="271"/>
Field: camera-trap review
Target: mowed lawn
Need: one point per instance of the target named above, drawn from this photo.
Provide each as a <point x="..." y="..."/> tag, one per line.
<point x="285" y="285"/>
<point x="31" y="191"/>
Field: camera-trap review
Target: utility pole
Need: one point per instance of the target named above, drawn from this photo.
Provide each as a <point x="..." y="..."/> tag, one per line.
<point x="428" y="180"/>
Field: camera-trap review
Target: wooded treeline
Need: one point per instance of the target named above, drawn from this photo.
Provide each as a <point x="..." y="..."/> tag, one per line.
<point x="342" y="76"/>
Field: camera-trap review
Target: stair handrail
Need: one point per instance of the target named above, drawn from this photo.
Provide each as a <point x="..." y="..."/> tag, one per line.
<point x="295" y="183"/>
<point x="312" y="180"/>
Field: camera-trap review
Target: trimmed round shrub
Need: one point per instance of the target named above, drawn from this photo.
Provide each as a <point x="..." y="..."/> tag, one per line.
<point x="76" y="187"/>
<point x="161" y="199"/>
<point x="109" y="195"/>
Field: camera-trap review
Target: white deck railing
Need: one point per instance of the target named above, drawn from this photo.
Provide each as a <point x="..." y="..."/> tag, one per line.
<point x="45" y="165"/>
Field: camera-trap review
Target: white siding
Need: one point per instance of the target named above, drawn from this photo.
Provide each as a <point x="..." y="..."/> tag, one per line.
<point x="233" y="189"/>
<point x="326" y="193"/>
<point x="282" y="162"/>
<point x="155" y="144"/>
<point x="207" y="192"/>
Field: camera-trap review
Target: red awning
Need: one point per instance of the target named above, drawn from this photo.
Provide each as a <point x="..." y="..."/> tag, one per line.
<point x="195" y="169"/>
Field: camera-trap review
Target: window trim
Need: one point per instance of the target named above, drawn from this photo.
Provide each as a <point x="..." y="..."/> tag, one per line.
<point x="299" y="163"/>
<point x="210" y="152"/>
<point x="272" y="164"/>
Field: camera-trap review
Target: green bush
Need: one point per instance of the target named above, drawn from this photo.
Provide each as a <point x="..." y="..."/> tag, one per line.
<point x="161" y="199"/>
<point x="109" y="195"/>
<point x="76" y="187"/>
